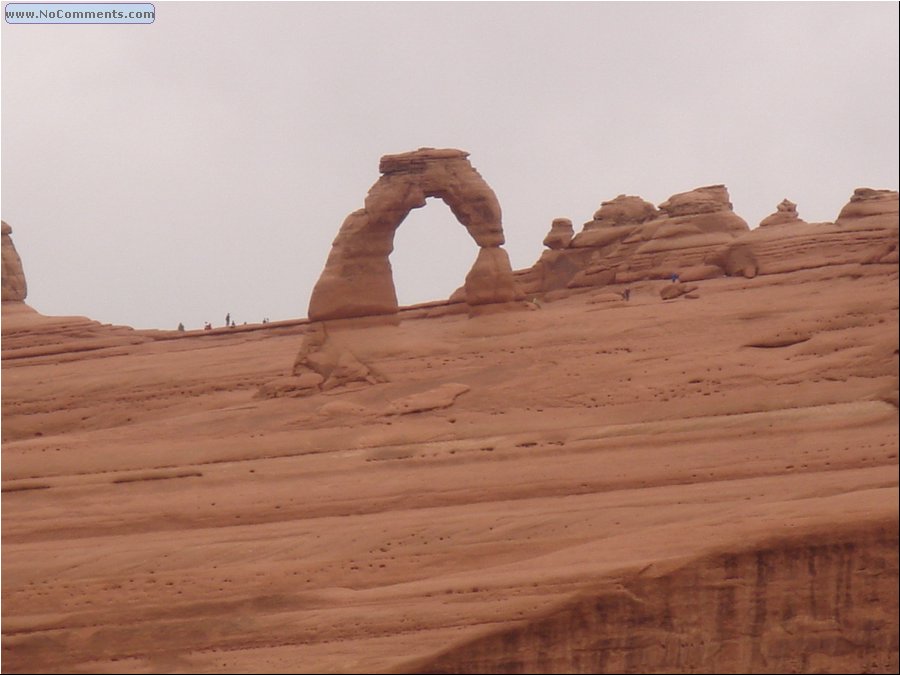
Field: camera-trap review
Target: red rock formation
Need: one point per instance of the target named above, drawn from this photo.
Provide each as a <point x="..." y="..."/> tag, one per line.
<point x="630" y="240"/>
<point x="785" y="213"/>
<point x="27" y="334"/>
<point x="869" y="206"/>
<point x="865" y="232"/>
<point x="14" y="287"/>
<point x="560" y="234"/>
<point x="357" y="279"/>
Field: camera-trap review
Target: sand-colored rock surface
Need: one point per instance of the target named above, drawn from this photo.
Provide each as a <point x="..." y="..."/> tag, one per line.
<point x="629" y="486"/>
<point x="14" y="287"/>
<point x="357" y="279"/>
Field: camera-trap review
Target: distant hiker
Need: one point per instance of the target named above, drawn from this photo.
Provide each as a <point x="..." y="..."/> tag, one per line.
<point x="232" y="324"/>
<point x="228" y="319"/>
<point x="207" y="326"/>
<point x="180" y="327"/>
<point x="626" y="294"/>
<point x="675" y="277"/>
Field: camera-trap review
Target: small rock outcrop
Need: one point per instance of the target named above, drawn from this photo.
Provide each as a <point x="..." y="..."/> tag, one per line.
<point x="490" y="280"/>
<point x="560" y="234"/>
<point x="336" y="366"/>
<point x="357" y="279"/>
<point x="785" y="213"/>
<point x="676" y="290"/>
<point x="869" y="206"/>
<point x="14" y="287"/>
<point x="321" y="365"/>
<point x="436" y="398"/>
<point x="614" y="220"/>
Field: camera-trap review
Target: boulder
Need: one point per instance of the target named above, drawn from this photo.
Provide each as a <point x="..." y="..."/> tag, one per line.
<point x="623" y="210"/>
<point x="561" y="233"/>
<point x="490" y="280"/>
<point x="676" y="289"/>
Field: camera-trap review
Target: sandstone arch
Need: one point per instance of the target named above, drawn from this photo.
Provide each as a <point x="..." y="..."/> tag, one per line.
<point x="357" y="279"/>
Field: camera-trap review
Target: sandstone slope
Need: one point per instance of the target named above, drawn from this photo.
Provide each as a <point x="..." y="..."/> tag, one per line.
<point x="593" y="485"/>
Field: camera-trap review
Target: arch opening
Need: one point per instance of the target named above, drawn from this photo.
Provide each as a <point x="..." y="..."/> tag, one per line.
<point x="432" y="254"/>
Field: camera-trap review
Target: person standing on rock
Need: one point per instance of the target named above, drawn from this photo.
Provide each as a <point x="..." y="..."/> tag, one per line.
<point x="228" y="319"/>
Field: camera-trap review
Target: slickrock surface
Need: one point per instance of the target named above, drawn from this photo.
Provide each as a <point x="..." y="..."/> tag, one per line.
<point x="14" y="287"/>
<point x="705" y="485"/>
<point x="357" y="279"/>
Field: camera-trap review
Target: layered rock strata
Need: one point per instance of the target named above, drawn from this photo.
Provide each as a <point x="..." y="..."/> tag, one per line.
<point x="697" y="235"/>
<point x="866" y="231"/>
<point x="629" y="239"/>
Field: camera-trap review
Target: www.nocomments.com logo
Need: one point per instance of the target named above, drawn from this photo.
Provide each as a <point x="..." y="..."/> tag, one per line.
<point x="79" y="12"/>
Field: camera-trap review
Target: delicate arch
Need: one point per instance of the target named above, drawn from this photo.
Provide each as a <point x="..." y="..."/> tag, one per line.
<point x="357" y="279"/>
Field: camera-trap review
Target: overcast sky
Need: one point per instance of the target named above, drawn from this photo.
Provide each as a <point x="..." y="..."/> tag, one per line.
<point x="203" y="164"/>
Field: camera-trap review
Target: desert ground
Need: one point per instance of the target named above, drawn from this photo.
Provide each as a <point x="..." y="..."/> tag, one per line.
<point x="705" y="484"/>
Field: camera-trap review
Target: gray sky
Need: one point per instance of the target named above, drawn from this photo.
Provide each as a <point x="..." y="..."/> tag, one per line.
<point x="203" y="164"/>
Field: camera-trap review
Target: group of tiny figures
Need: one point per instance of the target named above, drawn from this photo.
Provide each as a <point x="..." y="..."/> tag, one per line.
<point x="229" y="323"/>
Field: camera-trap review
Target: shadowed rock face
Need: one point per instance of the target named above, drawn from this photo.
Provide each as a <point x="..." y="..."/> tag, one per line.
<point x="357" y="279"/>
<point x="14" y="286"/>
